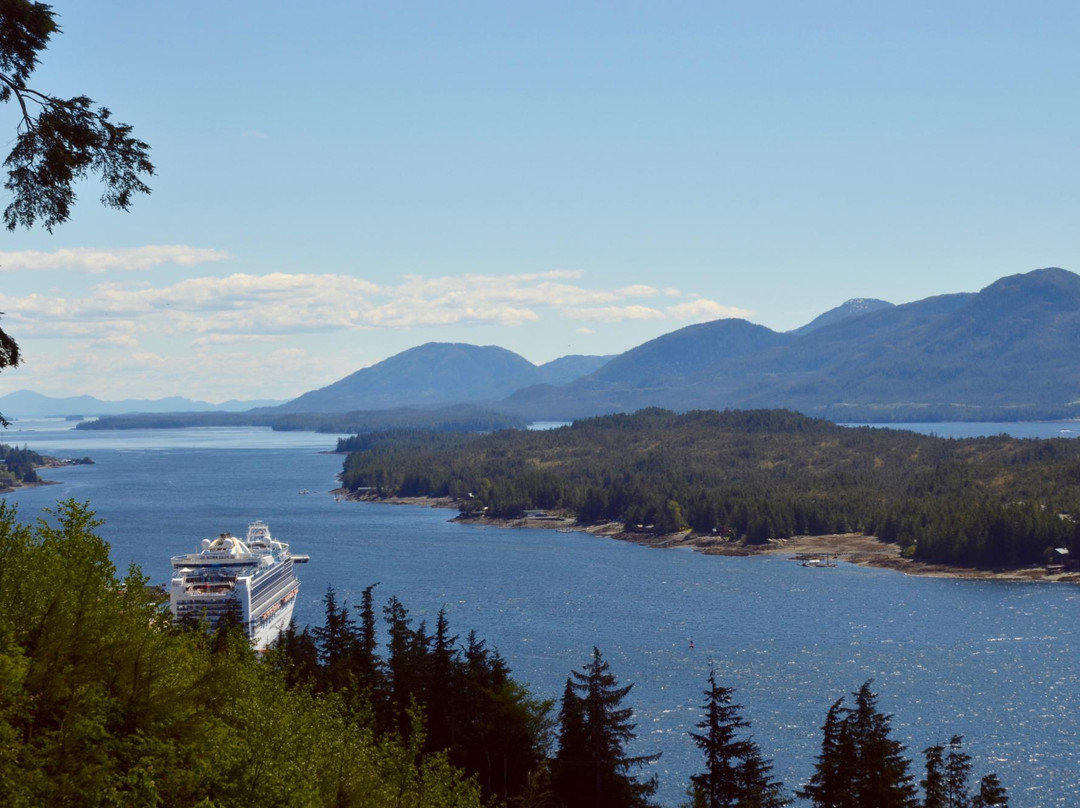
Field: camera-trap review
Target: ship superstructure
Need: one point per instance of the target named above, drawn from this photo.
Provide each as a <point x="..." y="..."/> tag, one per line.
<point x="253" y="578"/>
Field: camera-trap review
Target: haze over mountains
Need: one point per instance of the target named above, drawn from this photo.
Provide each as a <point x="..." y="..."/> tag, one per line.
<point x="1007" y="352"/>
<point x="28" y="404"/>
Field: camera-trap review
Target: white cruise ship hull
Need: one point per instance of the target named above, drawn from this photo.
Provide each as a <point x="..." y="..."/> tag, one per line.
<point x="254" y="581"/>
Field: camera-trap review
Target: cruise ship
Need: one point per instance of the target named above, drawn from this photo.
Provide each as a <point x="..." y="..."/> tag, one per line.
<point x="253" y="578"/>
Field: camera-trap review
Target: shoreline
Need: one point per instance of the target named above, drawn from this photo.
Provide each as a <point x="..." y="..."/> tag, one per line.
<point x="7" y="489"/>
<point x="852" y="548"/>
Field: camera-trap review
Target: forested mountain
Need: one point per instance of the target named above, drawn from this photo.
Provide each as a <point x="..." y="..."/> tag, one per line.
<point x="852" y="308"/>
<point x="567" y="368"/>
<point x="437" y="374"/>
<point x="754" y="475"/>
<point x="1003" y="353"/>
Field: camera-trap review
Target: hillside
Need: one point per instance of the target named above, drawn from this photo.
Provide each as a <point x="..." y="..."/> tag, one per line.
<point x="753" y="475"/>
<point x="855" y="307"/>
<point x="1004" y="353"/>
<point x="438" y="374"/>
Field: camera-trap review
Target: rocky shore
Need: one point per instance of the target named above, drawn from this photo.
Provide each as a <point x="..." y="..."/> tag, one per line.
<point x="853" y="548"/>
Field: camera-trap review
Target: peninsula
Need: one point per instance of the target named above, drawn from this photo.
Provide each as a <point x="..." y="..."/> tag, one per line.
<point x="752" y="481"/>
<point x="19" y="467"/>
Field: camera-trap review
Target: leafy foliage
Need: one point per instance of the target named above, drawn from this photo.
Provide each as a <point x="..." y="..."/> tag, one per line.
<point x="59" y="140"/>
<point x="104" y="702"/>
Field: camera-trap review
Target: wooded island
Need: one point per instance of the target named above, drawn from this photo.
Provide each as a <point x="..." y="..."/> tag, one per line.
<point x="751" y="476"/>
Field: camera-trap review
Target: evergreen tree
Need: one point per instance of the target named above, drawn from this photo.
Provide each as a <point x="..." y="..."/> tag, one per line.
<point x="295" y="655"/>
<point x="933" y="784"/>
<point x="860" y="765"/>
<point x="366" y="663"/>
<point x="881" y="772"/>
<point x="335" y="639"/>
<point x="828" y="786"/>
<point x="735" y="773"/>
<point x="404" y="662"/>
<point x="957" y="771"/>
<point x="991" y="792"/>
<point x="442" y="686"/>
<point x="592" y="769"/>
<point x="718" y="783"/>
<point x="759" y="789"/>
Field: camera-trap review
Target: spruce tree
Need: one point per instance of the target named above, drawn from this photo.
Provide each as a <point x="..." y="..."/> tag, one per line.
<point x="860" y="765"/>
<point x="957" y="771"/>
<point x="934" y="783"/>
<point x="335" y="640"/>
<point x="759" y="789"/>
<point x="991" y="793"/>
<point x="828" y="786"/>
<point x="735" y="773"/>
<point x="881" y="772"/>
<point x="592" y="769"/>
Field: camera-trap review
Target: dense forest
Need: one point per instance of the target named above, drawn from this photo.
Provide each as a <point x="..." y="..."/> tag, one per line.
<point x="18" y="465"/>
<point x="751" y="476"/>
<point x="457" y="418"/>
<point x="104" y="701"/>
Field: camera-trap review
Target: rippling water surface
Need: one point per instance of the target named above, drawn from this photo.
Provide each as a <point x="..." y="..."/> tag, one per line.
<point x="998" y="662"/>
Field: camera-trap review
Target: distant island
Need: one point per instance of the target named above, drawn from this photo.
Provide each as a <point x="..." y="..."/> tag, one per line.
<point x="19" y="467"/>
<point x="459" y="418"/>
<point x="740" y="480"/>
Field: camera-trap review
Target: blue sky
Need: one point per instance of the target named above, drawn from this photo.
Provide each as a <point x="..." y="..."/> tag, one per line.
<point x="338" y="182"/>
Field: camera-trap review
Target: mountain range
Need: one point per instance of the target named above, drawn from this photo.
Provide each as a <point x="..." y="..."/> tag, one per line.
<point x="1006" y="352"/>
<point x="439" y="374"/>
<point x="28" y="404"/>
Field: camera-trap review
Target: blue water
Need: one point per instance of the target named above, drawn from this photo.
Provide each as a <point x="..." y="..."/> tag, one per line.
<point x="997" y="662"/>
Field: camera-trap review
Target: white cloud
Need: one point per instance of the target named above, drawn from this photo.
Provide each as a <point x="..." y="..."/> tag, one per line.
<point x="703" y="310"/>
<point x="639" y="290"/>
<point x="221" y="337"/>
<point x="699" y="310"/>
<point x="614" y="314"/>
<point x="216" y="310"/>
<point x="88" y="259"/>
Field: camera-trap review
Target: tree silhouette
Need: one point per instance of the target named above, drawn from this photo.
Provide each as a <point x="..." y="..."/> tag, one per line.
<point x="592" y="769"/>
<point x="860" y="764"/>
<point x="735" y="773"/>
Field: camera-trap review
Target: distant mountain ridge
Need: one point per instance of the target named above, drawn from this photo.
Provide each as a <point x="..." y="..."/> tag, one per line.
<point x="439" y="374"/>
<point x="852" y="308"/>
<point x="28" y="404"/>
<point x="1007" y="351"/>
